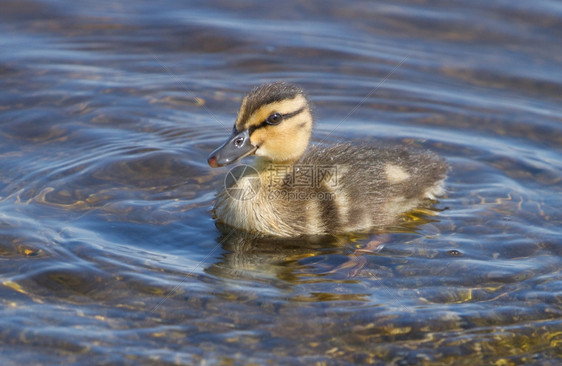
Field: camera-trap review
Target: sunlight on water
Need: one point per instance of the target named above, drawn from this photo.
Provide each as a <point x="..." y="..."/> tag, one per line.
<point x="110" y="253"/>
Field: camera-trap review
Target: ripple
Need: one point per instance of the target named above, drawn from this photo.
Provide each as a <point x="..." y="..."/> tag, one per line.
<point x="108" y="247"/>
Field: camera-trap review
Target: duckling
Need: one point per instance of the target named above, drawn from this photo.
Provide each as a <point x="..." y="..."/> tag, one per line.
<point x="294" y="189"/>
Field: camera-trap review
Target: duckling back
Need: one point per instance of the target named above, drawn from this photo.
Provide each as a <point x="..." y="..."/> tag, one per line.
<point x="375" y="184"/>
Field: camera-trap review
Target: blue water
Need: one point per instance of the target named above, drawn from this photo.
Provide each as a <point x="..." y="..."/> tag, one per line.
<point x="109" y="252"/>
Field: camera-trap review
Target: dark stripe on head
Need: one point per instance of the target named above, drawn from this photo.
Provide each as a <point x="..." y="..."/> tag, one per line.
<point x="286" y="116"/>
<point x="269" y="93"/>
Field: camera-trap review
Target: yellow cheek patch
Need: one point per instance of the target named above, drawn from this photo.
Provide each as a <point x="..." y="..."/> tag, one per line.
<point x="258" y="136"/>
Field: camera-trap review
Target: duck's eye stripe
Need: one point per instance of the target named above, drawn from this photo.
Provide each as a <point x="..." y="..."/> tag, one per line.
<point x="285" y="116"/>
<point x="292" y="114"/>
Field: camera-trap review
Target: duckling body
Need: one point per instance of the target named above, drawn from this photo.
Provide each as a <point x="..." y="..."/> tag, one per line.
<point x="294" y="189"/>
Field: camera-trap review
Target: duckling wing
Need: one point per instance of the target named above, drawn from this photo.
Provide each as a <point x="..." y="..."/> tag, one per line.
<point x="370" y="185"/>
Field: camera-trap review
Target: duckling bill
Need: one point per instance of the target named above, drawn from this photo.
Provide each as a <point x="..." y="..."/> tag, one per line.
<point x="295" y="189"/>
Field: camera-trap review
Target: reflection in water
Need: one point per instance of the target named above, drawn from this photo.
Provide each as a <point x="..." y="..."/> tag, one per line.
<point x="249" y="255"/>
<point x="260" y="257"/>
<point x="108" y="248"/>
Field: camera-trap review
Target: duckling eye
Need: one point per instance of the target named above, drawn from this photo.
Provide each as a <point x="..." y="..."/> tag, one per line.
<point x="274" y="119"/>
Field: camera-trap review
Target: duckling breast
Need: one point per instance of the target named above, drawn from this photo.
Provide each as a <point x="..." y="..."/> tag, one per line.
<point x="248" y="202"/>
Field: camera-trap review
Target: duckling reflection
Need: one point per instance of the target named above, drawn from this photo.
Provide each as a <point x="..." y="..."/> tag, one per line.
<point x="297" y="189"/>
<point x="255" y="256"/>
<point x="285" y="261"/>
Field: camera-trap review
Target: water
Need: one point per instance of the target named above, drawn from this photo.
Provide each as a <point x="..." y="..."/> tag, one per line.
<point x="109" y="253"/>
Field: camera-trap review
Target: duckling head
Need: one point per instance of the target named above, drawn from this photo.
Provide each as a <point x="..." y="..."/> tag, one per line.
<point x="274" y="122"/>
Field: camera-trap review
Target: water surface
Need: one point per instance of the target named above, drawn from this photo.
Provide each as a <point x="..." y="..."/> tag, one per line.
<point x="109" y="252"/>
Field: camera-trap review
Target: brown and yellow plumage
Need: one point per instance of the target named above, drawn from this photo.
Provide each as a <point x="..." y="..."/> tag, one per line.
<point x="315" y="190"/>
